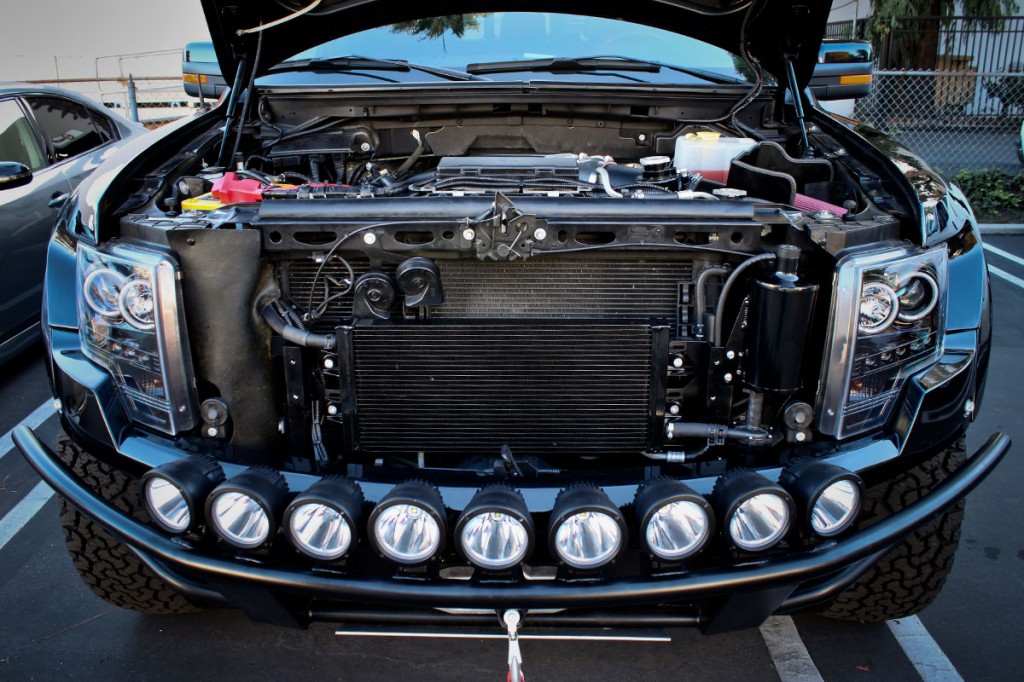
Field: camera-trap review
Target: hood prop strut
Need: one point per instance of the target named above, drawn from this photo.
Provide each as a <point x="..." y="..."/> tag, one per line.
<point x="229" y="114"/>
<point x="798" y="104"/>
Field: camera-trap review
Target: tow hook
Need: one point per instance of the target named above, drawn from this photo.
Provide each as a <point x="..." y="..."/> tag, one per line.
<point x="511" y="620"/>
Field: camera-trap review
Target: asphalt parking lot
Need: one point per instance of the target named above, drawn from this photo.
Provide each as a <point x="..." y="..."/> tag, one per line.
<point x="53" y="627"/>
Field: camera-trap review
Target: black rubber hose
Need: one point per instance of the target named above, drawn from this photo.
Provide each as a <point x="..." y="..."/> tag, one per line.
<point x="700" y="295"/>
<point x="716" y="337"/>
<point x="411" y="161"/>
<point x="294" y="334"/>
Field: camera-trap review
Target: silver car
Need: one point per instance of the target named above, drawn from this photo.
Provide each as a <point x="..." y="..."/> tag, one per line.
<point x="50" y="139"/>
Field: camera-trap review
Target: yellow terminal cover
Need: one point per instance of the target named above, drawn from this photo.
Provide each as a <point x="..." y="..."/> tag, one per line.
<point x="204" y="202"/>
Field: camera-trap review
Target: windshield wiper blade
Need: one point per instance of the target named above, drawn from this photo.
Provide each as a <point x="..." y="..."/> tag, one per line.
<point x="608" y="63"/>
<point x="357" y="63"/>
<point x="564" y="65"/>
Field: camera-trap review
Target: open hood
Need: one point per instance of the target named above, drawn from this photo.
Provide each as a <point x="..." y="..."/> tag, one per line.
<point x="773" y="29"/>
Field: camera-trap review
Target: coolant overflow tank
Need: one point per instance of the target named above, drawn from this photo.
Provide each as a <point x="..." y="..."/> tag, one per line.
<point x="780" y="320"/>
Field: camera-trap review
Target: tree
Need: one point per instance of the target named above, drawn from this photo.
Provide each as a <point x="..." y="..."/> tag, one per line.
<point x="916" y="46"/>
<point x="435" y="27"/>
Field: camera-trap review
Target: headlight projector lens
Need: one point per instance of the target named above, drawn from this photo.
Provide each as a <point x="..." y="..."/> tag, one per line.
<point x="756" y="513"/>
<point x="495" y="531"/>
<point x="175" y="492"/>
<point x="244" y="510"/>
<point x="136" y="304"/>
<point x="323" y="522"/>
<point x="409" y="524"/>
<point x="675" y="522"/>
<point x="102" y="289"/>
<point x="586" y="530"/>
<point x="917" y="297"/>
<point x="828" y="496"/>
<point x="879" y="306"/>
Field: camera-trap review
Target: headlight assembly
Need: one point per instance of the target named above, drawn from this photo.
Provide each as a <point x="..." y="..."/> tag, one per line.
<point x="130" y="322"/>
<point x="887" y="322"/>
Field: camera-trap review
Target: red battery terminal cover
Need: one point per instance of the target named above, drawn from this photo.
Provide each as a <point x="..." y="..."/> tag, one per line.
<point x="231" y="189"/>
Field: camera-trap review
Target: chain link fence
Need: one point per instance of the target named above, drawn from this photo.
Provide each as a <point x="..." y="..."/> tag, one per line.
<point x="955" y="120"/>
<point x="950" y="88"/>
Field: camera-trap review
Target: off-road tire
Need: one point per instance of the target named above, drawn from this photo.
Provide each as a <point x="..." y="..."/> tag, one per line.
<point x="909" y="577"/>
<point x="109" y="568"/>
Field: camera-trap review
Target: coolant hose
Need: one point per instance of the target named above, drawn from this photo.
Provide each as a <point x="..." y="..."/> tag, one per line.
<point x="716" y="335"/>
<point x="606" y="183"/>
<point x="701" y="294"/>
<point x="293" y="334"/>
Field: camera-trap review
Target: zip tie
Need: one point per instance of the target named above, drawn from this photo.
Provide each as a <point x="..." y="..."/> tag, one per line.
<point x="278" y="22"/>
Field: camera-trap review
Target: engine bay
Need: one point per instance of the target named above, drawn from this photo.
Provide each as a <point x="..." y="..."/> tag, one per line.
<point x="507" y="291"/>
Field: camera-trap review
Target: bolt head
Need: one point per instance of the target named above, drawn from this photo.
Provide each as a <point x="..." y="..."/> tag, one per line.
<point x="332" y="410"/>
<point x="365" y="147"/>
<point x="212" y="432"/>
<point x="540" y="234"/>
<point x="469" y="234"/>
<point x="328" y="363"/>
<point x="677" y="362"/>
<point x="673" y="409"/>
<point x="969" y="408"/>
<point x="370" y="238"/>
<point x="800" y="436"/>
<point x="727" y="378"/>
<point x="730" y="354"/>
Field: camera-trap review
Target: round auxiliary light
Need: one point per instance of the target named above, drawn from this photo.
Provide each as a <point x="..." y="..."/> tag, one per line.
<point x="879" y="306"/>
<point x="917" y="296"/>
<point x="829" y="496"/>
<point x="675" y="522"/>
<point x="495" y="531"/>
<point x="244" y="510"/>
<point x="756" y="512"/>
<point x="174" y="492"/>
<point x="135" y="303"/>
<point x="321" y="522"/>
<point x="586" y="530"/>
<point x="409" y="526"/>
<point x="101" y="290"/>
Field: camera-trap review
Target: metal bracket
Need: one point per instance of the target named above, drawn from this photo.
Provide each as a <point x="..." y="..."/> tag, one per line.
<point x="511" y="619"/>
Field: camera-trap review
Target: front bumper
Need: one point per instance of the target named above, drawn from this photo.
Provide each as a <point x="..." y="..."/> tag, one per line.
<point x="736" y="596"/>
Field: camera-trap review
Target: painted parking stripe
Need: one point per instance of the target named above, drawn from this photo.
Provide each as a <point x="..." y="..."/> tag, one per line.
<point x="1002" y="274"/>
<point x="23" y="512"/>
<point x="1005" y="254"/>
<point x="923" y="651"/>
<point x="33" y="421"/>
<point x="792" y="662"/>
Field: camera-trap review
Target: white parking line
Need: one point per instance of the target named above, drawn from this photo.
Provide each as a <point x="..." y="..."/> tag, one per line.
<point x="792" y="662"/>
<point x="1005" y="254"/>
<point x="923" y="651"/>
<point x="34" y="420"/>
<point x="23" y="512"/>
<point x="1002" y="274"/>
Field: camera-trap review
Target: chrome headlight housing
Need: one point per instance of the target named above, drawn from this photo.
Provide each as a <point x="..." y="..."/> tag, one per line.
<point x="131" y="323"/>
<point x="888" y="322"/>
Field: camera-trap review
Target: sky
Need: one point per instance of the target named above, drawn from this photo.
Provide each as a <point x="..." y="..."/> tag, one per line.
<point x="41" y="39"/>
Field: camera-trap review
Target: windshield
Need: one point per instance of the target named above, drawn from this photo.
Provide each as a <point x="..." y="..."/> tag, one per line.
<point x="458" y="42"/>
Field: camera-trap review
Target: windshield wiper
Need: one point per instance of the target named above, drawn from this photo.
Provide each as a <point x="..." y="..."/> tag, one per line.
<point x="610" y="63"/>
<point x="357" y="63"/>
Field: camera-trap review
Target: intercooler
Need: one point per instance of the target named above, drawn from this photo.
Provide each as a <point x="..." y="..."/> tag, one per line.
<point x="547" y="355"/>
